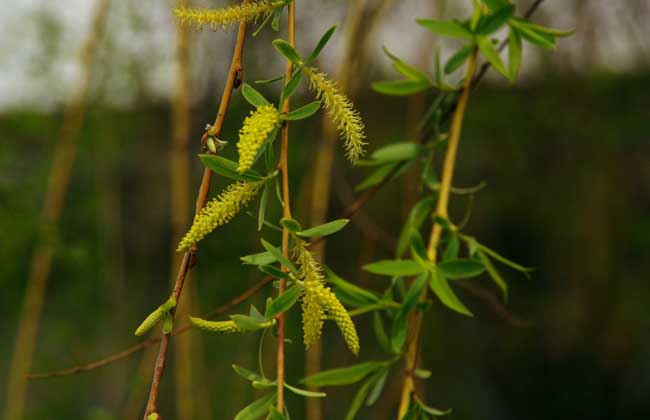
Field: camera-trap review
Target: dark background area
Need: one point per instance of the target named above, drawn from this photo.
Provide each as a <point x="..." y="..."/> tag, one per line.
<point x="565" y="158"/>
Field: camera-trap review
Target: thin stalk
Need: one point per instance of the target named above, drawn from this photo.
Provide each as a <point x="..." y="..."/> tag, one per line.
<point x="434" y="239"/>
<point x="41" y="262"/>
<point x="286" y="210"/>
<point x="234" y="77"/>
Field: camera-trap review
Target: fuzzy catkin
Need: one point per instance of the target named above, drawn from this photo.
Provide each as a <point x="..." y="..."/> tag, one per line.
<point x="253" y="133"/>
<point x="318" y="299"/>
<point x="220" y="18"/>
<point x="341" y="111"/>
<point x="221" y="327"/>
<point x="220" y="211"/>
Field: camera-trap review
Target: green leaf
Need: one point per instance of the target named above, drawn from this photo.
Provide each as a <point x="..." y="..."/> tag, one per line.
<point x="351" y="293"/>
<point x="440" y="286"/>
<point x="291" y="86"/>
<point x="430" y="410"/>
<point x="458" y="59"/>
<point x="263" y="258"/>
<point x="376" y="177"/>
<point x="396" y="152"/>
<point x="494" y="5"/>
<point x="398" y="333"/>
<point x="410" y="72"/>
<point x="277" y="254"/>
<point x="264" y="200"/>
<point x="378" y="387"/>
<point x="545" y="30"/>
<point x="303" y="112"/>
<point x="291" y="225"/>
<point x="416" y="217"/>
<point x="253" y="97"/>
<point x="274" y="271"/>
<point x="321" y="43"/>
<point x="422" y="373"/>
<point x="256" y="409"/>
<point x="449" y="28"/>
<point x="228" y="168"/>
<point x="358" y="399"/>
<point x="502" y="259"/>
<point x="274" y="414"/>
<point x="248" y="323"/>
<point x="380" y="332"/>
<point x="283" y="302"/>
<point x="490" y="52"/>
<point x="287" y="50"/>
<point x="461" y="268"/>
<point x="418" y="249"/>
<point x="514" y="52"/>
<point x="343" y="376"/>
<point x="304" y="392"/>
<point x="531" y="35"/>
<point x="401" y="87"/>
<point x="325" y="229"/>
<point x="491" y="23"/>
<point x="248" y="374"/>
<point x="451" y="251"/>
<point x="394" y="268"/>
<point x="494" y="275"/>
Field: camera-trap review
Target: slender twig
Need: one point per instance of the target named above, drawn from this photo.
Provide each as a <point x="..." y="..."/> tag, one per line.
<point x="415" y="321"/>
<point x="41" y="262"/>
<point x="233" y="80"/>
<point x="286" y="210"/>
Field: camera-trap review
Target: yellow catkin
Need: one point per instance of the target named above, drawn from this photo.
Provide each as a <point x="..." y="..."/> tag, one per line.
<point x="220" y="211"/>
<point x="253" y="133"/>
<point x="221" y="327"/>
<point x="341" y="111"/>
<point x="318" y="299"/>
<point x="154" y="318"/>
<point x="220" y="18"/>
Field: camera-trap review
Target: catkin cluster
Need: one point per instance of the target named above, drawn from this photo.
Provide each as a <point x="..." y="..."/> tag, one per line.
<point x="220" y="18"/>
<point x="318" y="300"/>
<point x="341" y="111"/>
<point x="221" y="327"/>
<point x="253" y="133"/>
<point x="220" y="211"/>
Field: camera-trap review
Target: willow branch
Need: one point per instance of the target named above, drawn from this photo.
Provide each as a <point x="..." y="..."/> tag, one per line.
<point x="233" y="80"/>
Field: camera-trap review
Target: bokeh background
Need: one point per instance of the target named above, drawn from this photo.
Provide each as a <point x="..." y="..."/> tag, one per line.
<point x="564" y="152"/>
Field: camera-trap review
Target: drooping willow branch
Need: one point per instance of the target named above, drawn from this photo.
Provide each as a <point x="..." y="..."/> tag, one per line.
<point x="233" y="79"/>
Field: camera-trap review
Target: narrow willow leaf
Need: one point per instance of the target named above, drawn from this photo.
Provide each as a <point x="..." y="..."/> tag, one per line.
<point x="274" y="414"/>
<point x="504" y="260"/>
<point x="430" y="410"/>
<point x="453" y="245"/>
<point x="263" y="258"/>
<point x="394" y="268"/>
<point x="264" y="200"/>
<point x="274" y="271"/>
<point x="287" y="50"/>
<point x="495" y="5"/>
<point x="396" y="152"/>
<point x="277" y="254"/>
<point x="490" y="52"/>
<point x="418" y="249"/>
<point x="440" y="286"/>
<point x="304" y="392"/>
<point x="256" y="409"/>
<point x="491" y="23"/>
<point x="247" y="374"/>
<point x="449" y="28"/>
<point x="352" y="294"/>
<point x="458" y="59"/>
<point x="514" y="52"/>
<point x="529" y="33"/>
<point x="380" y="332"/>
<point x="398" y="334"/>
<point x="228" y="168"/>
<point x="376" y="177"/>
<point x="401" y="87"/>
<point x="283" y="302"/>
<point x="361" y="395"/>
<point x="273" y="80"/>
<point x="461" y="268"/>
<point x="303" y="112"/>
<point x="321" y="43"/>
<point x="343" y="376"/>
<point x="292" y="225"/>
<point x="407" y="70"/>
<point x="378" y="387"/>
<point x="291" y="86"/>
<point x="494" y="275"/>
<point x="325" y="229"/>
<point x="544" y="29"/>
<point x="253" y="97"/>
<point x="422" y="373"/>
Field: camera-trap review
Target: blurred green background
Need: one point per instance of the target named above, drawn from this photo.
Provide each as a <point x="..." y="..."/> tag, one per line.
<point x="564" y="153"/>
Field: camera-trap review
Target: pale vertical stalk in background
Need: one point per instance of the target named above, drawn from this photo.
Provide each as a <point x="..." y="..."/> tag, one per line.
<point x="187" y="348"/>
<point x="59" y="180"/>
<point x="286" y="209"/>
<point x="359" y="28"/>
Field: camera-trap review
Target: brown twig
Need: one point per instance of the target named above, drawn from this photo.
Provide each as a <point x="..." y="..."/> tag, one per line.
<point x="234" y="77"/>
<point x="59" y="181"/>
<point x="286" y="209"/>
